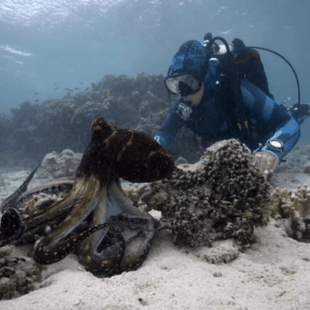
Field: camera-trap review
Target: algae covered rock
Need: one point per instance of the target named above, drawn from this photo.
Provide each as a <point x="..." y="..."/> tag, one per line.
<point x="18" y="274"/>
<point x="222" y="196"/>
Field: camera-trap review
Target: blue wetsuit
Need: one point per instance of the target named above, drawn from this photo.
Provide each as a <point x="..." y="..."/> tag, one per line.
<point x="207" y="122"/>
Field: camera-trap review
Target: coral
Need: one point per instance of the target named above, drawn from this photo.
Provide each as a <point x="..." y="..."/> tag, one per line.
<point x="279" y="197"/>
<point x="223" y="196"/>
<point x="18" y="274"/>
<point x="56" y="165"/>
<point x="294" y="208"/>
<point x="33" y="130"/>
<point x="140" y="103"/>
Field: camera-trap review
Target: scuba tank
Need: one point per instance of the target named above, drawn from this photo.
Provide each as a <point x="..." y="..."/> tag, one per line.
<point x="240" y="61"/>
<point x="231" y="100"/>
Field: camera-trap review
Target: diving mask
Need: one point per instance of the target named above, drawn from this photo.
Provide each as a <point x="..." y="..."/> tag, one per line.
<point x="184" y="111"/>
<point x="185" y="84"/>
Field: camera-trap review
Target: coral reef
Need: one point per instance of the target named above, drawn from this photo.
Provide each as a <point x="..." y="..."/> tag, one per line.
<point x="56" y="165"/>
<point x="222" y="196"/>
<point x="294" y="209"/>
<point x="140" y="103"/>
<point x="18" y="274"/>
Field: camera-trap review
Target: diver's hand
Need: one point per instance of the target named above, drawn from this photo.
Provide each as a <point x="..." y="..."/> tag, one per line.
<point x="266" y="163"/>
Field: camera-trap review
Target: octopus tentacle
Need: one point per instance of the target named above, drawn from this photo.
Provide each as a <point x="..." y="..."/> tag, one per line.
<point x="33" y="218"/>
<point x="11" y="226"/>
<point x="116" y="257"/>
<point x="109" y="257"/>
<point x="82" y="191"/>
<point x="90" y="197"/>
<point x="50" y="187"/>
<point x="45" y="256"/>
<point x="11" y="200"/>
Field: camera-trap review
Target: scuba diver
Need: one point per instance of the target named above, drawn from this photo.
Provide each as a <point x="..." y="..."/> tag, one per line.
<point x="223" y="93"/>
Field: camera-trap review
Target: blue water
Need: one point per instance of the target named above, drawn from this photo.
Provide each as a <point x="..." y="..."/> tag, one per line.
<point x="48" y="45"/>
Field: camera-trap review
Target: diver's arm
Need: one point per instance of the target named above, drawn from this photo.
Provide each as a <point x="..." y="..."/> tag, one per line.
<point x="289" y="134"/>
<point x="266" y="111"/>
<point x="170" y="127"/>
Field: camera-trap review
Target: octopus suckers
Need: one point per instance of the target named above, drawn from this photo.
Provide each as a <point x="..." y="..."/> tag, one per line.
<point x="47" y="229"/>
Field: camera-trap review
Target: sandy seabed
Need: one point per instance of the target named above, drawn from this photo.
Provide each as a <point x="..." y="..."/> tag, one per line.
<point x="274" y="273"/>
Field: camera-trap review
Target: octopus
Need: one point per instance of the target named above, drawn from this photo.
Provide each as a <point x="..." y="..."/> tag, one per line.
<point x="117" y="235"/>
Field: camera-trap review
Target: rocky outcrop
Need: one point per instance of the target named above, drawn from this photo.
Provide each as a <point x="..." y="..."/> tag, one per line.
<point x="222" y="196"/>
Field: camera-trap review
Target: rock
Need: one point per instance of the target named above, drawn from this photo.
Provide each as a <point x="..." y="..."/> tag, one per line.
<point x="17" y="274"/>
<point x="221" y="252"/>
<point x="222" y="196"/>
<point x="56" y="165"/>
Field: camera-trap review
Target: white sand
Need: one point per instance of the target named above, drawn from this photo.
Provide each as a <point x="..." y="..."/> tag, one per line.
<point x="273" y="274"/>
